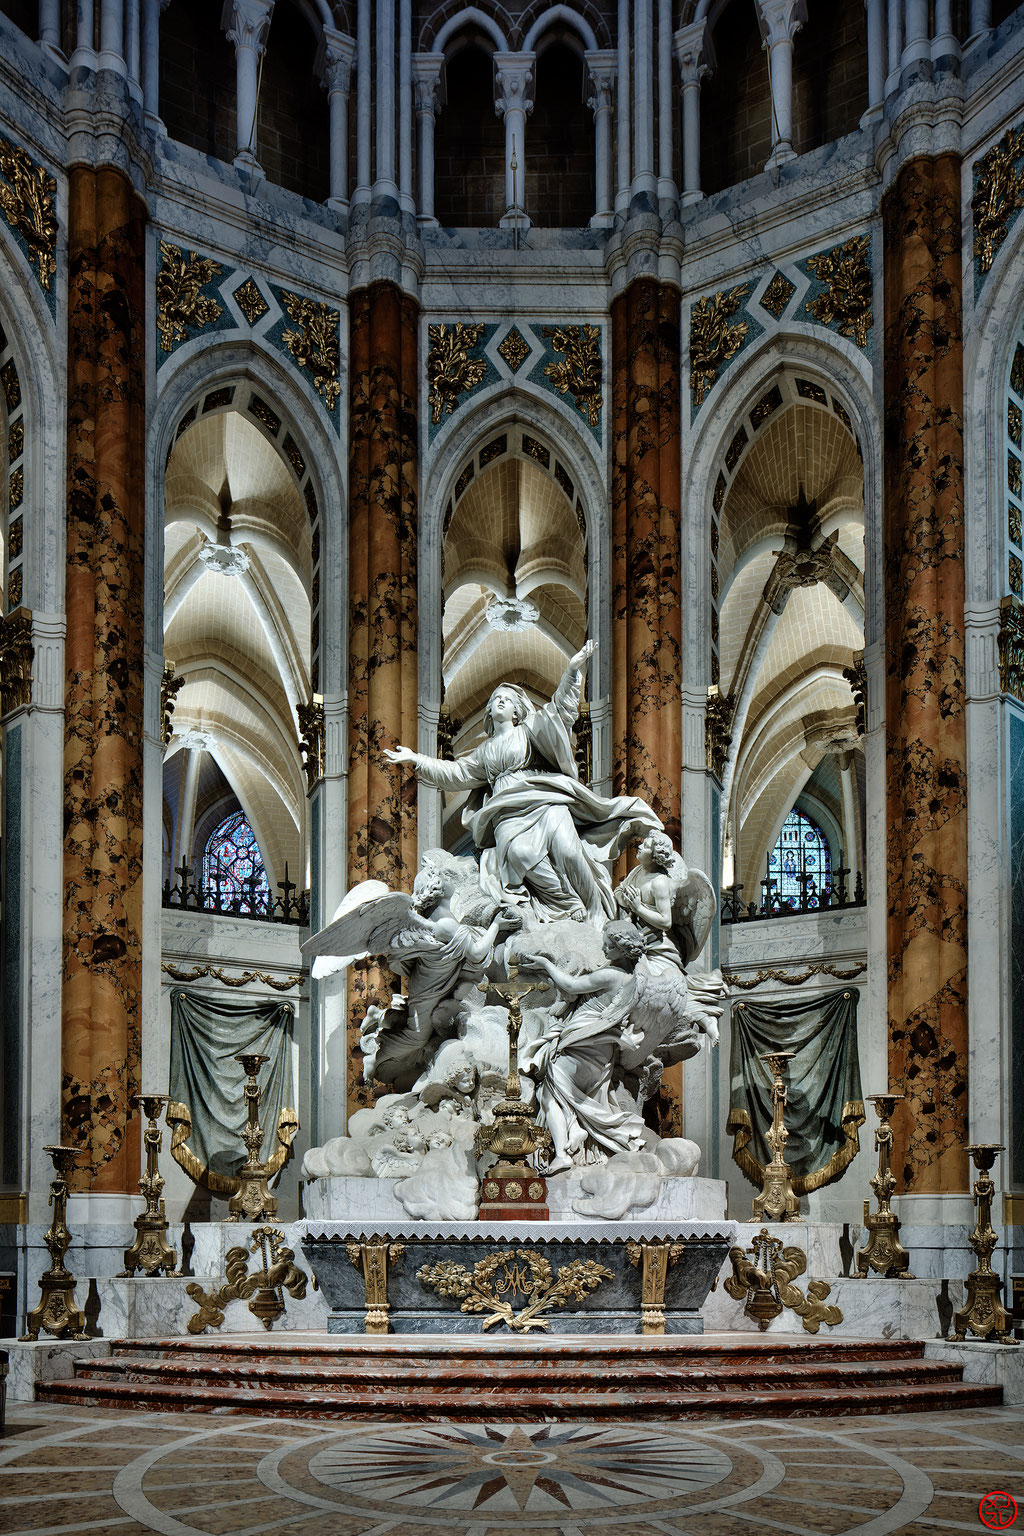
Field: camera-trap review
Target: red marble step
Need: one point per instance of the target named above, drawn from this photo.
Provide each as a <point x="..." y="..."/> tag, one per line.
<point x="439" y="1405"/>
<point x="692" y="1373"/>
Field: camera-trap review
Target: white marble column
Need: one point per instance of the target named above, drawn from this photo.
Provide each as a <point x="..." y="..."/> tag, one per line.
<point x="916" y="44"/>
<point x="624" y="126"/>
<point x="426" y="80"/>
<point x="384" y="183"/>
<point x="133" y="49"/>
<point x="85" y="26"/>
<point x="668" y="192"/>
<point x="364" y="105"/>
<point x="513" y="80"/>
<point x="944" y="43"/>
<point x="152" y="10"/>
<point x="981" y="18"/>
<point x="246" y="23"/>
<point x="783" y="20"/>
<point x="696" y="57"/>
<point x="875" y="10"/>
<point x="644" y="179"/>
<point x="895" y="48"/>
<point x="49" y="25"/>
<point x="111" y="55"/>
<point x="334" y="59"/>
<point x="405" y="192"/>
<point x="602" y="66"/>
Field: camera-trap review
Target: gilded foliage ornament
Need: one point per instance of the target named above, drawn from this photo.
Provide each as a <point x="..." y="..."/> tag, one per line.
<point x="27" y="203"/>
<point x="1011" y="646"/>
<point x="580" y="372"/>
<point x="516" y="1272"/>
<point x="846" y="302"/>
<point x="263" y="1289"/>
<point x="16" y="655"/>
<point x="314" y="345"/>
<point x="451" y="371"/>
<point x="170" y="687"/>
<point x="856" y="675"/>
<point x="181" y="303"/>
<point x="312" y="739"/>
<point x="718" y="715"/>
<point x="998" y="194"/>
<point x="713" y="340"/>
<point x="217" y="973"/>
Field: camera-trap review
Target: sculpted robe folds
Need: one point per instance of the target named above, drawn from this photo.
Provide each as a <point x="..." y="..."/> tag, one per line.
<point x="546" y="840"/>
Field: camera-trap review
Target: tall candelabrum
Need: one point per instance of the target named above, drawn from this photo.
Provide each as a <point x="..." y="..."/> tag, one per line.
<point x="253" y="1200"/>
<point x="57" y="1312"/>
<point x="777" y="1200"/>
<point x="883" y="1251"/>
<point x="512" y="1189"/>
<point x="151" y="1251"/>
<point x="983" y="1313"/>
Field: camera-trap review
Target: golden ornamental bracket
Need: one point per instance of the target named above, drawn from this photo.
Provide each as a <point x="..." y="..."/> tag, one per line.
<point x="373" y="1256"/>
<point x="763" y="1276"/>
<point x="180" y="303"/>
<point x="998" y="194"/>
<point x="26" y="198"/>
<point x="514" y="1272"/>
<point x="654" y="1261"/>
<point x="314" y="344"/>
<point x="579" y="374"/>
<point x="16" y="656"/>
<point x="263" y="1289"/>
<point x="846" y="301"/>
<point x="713" y="340"/>
<point x="451" y="371"/>
<point x="312" y="739"/>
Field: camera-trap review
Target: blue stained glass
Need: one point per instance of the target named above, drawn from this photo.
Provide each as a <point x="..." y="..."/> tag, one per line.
<point x="233" y="865"/>
<point x="801" y="858"/>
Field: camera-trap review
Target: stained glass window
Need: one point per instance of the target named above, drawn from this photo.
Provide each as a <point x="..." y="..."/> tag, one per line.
<point x="233" y="866"/>
<point x="800" y="859"/>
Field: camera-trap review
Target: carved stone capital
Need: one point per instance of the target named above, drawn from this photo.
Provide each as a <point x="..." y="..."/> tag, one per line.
<point x="695" y="53"/>
<point x="603" y="69"/>
<point x="335" y="56"/>
<point x="427" y="69"/>
<point x="16" y="656"/>
<point x="781" y="20"/>
<point x="247" y="22"/>
<point x="513" y="81"/>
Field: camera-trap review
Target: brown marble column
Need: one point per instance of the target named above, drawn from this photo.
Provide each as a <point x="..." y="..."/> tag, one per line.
<point x="383" y="531"/>
<point x="101" y="998"/>
<point x="646" y="554"/>
<point x="926" y="757"/>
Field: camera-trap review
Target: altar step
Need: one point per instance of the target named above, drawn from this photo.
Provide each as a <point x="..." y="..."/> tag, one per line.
<point x="441" y="1378"/>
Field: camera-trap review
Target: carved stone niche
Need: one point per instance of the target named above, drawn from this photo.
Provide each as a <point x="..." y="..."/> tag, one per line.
<point x="16" y="656"/>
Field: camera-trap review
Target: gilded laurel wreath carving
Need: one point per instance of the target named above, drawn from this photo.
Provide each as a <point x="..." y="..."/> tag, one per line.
<point x="579" y="374"/>
<point x="846" y="302"/>
<point x="713" y="341"/>
<point x="218" y="973"/>
<point x="263" y="1289"/>
<point x="27" y="203"/>
<point x="765" y="1281"/>
<point x="521" y="1272"/>
<point x="998" y="194"/>
<point x="181" y="304"/>
<point x="450" y="369"/>
<point x="314" y="345"/>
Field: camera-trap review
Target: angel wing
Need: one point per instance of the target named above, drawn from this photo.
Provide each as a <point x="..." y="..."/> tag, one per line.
<point x="693" y="910"/>
<point x="367" y="923"/>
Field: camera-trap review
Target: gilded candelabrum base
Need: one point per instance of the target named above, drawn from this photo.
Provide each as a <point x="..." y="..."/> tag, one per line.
<point x="151" y="1252"/>
<point x="777" y="1200"/>
<point x="983" y="1313"/>
<point x="883" y="1252"/>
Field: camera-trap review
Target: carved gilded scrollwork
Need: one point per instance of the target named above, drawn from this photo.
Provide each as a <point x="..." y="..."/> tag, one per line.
<point x="450" y="369"/>
<point x="373" y="1256"/>
<point x="27" y="203"/>
<point x="314" y="345"/>
<point x="857" y="676"/>
<point x="312" y="739"/>
<point x="16" y="655"/>
<point x="718" y="715"/>
<point x="579" y="374"/>
<point x="217" y="972"/>
<point x="170" y="687"/>
<point x="1011" y="646"/>
<point x="713" y="341"/>
<point x="179" y="1118"/>
<point x="656" y="1260"/>
<point x="510" y="1273"/>
<point x="263" y="1289"/>
<point x="181" y="303"/>
<point x="846" y="302"/>
<point x="998" y="194"/>
<point x="765" y="1282"/>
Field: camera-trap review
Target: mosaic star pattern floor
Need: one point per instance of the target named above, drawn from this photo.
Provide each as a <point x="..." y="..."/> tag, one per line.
<point x="66" y="1470"/>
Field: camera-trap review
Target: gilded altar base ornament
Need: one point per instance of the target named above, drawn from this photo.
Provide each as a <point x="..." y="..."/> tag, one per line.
<point x="263" y="1289"/>
<point x="654" y="1261"/>
<point x="57" y="1312"/>
<point x="151" y="1251"/>
<point x="765" y="1279"/>
<point x="777" y="1201"/>
<point x="493" y="1284"/>
<point x="983" y="1313"/>
<point x="373" y="1256"/>
<point x="883" y="1252"/>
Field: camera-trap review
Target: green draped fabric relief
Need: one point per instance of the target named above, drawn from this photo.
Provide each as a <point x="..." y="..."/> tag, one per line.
<point x="825" y="1106"/>
<point x="206" y="1035"/>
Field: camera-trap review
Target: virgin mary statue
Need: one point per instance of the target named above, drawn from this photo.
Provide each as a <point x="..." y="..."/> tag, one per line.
<point x="546" y="841"/>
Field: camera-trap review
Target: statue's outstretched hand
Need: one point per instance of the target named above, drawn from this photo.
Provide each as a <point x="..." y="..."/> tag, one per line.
<point x="579" y="661"/>
<point x="400" y="755"/>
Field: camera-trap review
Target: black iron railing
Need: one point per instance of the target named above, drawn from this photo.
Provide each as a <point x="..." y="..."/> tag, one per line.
<point x="832" y="895"/>
<point x="222" y="897"/>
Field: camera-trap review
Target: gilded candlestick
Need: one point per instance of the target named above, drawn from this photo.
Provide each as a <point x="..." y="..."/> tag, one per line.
<point x="883" y="1252"/>
<point x="512" y="1188"/>
<point x="57" y="1311"/>
<point x="777" y="1201"/>
<point x="253" y="1200"/>
<point x="983" y="1313"/>
<point x="151" y="1251"/>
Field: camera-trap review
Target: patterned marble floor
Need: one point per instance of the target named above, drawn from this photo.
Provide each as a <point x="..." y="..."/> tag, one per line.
<point x="65" y="1470"/>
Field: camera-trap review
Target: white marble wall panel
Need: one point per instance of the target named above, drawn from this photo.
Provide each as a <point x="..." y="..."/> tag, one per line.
<point x="45" y="1360"/>
<point x="990" y="1364"/>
